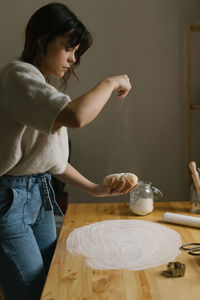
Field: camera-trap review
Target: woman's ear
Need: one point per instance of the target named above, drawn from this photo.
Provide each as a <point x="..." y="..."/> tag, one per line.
<point x="40" y="42"/>
<point x="40" y="51"/>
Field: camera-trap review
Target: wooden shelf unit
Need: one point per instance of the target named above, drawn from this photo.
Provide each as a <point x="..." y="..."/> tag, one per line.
<point x="190" y="107"/>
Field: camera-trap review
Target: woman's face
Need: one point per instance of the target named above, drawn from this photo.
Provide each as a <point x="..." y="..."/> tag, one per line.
<point x="58" y="58"/>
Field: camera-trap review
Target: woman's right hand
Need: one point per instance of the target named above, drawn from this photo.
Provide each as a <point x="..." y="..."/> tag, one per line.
<point x="121" y="84"/>
<point x="85" y="108"/>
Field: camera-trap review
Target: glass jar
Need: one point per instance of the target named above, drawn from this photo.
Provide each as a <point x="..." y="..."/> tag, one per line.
<point x="142" y="198"/>
<point x="194" y="200"/>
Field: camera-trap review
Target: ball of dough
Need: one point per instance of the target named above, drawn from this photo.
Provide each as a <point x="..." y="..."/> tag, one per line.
<point x="116" y="181"/>
<point x="128" y="177"/>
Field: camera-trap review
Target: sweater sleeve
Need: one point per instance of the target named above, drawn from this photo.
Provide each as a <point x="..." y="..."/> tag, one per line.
<point x="28" y="99"/>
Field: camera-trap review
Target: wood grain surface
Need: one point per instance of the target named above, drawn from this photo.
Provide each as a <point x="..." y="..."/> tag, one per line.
<point x="70" y="278"/>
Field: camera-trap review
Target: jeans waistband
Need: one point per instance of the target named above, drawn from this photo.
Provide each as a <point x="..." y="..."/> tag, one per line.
<point x="44" y="182"/>
<point x="24" y="179"/>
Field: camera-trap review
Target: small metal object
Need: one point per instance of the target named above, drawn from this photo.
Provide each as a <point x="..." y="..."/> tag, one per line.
<point x="174" y="269"/>
<point x="192" y="248"/>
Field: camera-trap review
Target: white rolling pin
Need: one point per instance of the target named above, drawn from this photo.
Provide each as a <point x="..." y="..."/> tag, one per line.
<point x="181" y="219"/>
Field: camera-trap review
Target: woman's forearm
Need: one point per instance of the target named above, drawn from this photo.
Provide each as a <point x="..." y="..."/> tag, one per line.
<point x="73" y="177"/>
<point x="85" y="108"/>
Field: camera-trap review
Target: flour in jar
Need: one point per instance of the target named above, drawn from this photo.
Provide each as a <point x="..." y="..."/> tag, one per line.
<point x="142" y="206"/>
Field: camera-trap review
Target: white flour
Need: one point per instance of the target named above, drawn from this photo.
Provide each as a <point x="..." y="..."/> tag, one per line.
<point x="119" y="157"/>
<point x="125" y="244"/>
<point x="142" y="206"/>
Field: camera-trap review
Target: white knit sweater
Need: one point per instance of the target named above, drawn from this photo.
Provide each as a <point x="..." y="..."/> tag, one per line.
<point x="28" y="109"/>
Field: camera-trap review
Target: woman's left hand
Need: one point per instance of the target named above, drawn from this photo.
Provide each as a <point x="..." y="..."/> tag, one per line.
<point x="99" y="190"/>
<point x="72" y="176"/>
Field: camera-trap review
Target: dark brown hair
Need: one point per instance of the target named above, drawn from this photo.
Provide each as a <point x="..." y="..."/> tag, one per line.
<point x="48" y="22"/>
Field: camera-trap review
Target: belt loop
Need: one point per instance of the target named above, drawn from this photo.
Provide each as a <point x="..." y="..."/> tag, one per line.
<point x="46" y="187"/>
<point x="47" y="194"/>
<point x="44" y="193"/>
<point x="29" y="182"/>
<point x="53" y="198"/>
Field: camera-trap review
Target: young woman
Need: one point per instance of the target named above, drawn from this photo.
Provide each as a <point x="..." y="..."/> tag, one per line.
<point x="34" y="116"/>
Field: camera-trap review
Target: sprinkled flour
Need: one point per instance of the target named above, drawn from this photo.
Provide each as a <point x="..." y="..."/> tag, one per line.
<point x="125" y="244"/>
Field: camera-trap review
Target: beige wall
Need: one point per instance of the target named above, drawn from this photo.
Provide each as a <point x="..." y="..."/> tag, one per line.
<point x="144" y="134"/>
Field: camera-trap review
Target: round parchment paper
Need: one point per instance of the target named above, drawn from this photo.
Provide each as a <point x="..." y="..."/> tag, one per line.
<point x="125" y="244"/>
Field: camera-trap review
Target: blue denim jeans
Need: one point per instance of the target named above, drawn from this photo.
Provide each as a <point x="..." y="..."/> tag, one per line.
<point x="27" y="234"/>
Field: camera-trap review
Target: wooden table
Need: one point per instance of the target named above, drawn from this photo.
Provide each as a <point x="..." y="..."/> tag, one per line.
<point x="70" y="278"/>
